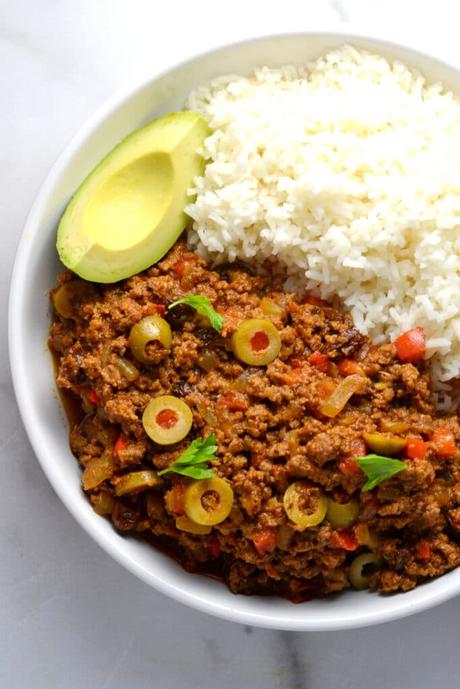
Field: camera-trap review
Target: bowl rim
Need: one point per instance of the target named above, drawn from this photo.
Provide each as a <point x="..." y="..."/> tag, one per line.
<point x="18" y="296"/>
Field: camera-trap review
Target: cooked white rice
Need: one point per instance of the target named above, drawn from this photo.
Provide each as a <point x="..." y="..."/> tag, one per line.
<point x="348" y="171"/>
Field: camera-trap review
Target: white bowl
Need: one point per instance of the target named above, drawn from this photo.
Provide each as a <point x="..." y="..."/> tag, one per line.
<point x="35" y="271"/>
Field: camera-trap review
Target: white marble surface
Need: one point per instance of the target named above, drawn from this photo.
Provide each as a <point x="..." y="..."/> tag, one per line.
<point x="69" y="616"/>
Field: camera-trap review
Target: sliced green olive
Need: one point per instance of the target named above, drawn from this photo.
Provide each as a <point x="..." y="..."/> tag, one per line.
<point x="136" y="481"/>
<point x="361" y="570"/>
<point x="386" y="445"/>
<point x="149" y="329"/>
<point x="127" y="369"/>
<point x="66" y="293"/>
<point x="97" y="471"/>
<point x="256" y="342"/>
<point x="167" y="419"/>
<point x="183" y="523"/>
<point x="208" y="502"/>
<point x="342" y="515"/>
<point x="304" y="504"/>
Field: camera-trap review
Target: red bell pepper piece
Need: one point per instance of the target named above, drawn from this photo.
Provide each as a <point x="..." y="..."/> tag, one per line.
<point x="344" y="539"/>
<point x="410" y="346"/>
<point x="265" y="540"/>
<point x="319" y="361"/>
<point x="416" y="448"/>
<point x="444" y="442"/>
<point x="120" y="444"/>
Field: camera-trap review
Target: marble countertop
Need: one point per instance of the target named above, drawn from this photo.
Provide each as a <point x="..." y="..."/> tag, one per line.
<point x="70" y="617"/>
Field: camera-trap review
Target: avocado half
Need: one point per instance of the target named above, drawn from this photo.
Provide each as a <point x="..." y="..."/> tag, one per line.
<point x="129" y="211"/>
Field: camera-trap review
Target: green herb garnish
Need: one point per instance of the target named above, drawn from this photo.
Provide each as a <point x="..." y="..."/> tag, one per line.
<point x="378" y="468"/>
<point x="204" y="307"/>
<point x="193" y="460"/>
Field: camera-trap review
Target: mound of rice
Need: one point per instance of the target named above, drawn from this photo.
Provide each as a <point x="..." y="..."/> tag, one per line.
<point x="348" y="171"/>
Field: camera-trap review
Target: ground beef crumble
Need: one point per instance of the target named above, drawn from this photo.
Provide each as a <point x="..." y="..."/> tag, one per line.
<point x="268" y="427"/>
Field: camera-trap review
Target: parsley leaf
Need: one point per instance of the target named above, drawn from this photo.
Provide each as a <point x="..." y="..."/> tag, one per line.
<point x="204" y="307"/>
<point x="192" y="462"/>
<point x="378" y="469"/>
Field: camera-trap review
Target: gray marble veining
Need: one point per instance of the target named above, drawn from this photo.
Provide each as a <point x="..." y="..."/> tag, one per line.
<point x="70" y="617"/>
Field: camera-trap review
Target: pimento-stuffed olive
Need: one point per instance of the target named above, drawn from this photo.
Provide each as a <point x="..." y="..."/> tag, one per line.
<point x="167" y="419"/>
<point x="256" y="342"/>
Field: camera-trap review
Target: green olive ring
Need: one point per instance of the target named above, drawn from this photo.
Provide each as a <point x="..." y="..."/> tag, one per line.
<point x="167" y="419"/>
<point x="359" y="579"/>
<point x="194" y="508"/>
<point x="183" y="523"/>
<point x="149" y="329"/>
<point x="256" y="342"/>
<point x="305" y="505"/>
<point x="342" y="515"/>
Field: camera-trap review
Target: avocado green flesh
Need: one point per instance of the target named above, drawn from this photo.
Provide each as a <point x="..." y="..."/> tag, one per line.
<point x="129" y="211"/>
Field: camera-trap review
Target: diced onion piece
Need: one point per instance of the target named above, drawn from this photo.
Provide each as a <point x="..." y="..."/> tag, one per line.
<point x="271" y="308"/>
<point x="197" y="512"/>
<point x="183" y="523"/>
<point x="127" y="369"/>
<point x="285" y="535"/>
<point x="347" y="387"/>
<point x="136" y="481"/>
<point x="361" y="570"/>
<point x="366" y="537"/>
<point x="97" y="471"/>
<point x="342" y="515"/>
<point x="208" y="360"/>
<point x="102" y="503"/>
<point x="304" y="504"/>
<point x="385" y="445"/>
<point x="207" y="415"/>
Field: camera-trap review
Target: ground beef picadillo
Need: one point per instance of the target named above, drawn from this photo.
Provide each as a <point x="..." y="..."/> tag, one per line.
<point x="268" y="427"/>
